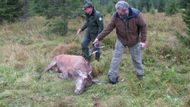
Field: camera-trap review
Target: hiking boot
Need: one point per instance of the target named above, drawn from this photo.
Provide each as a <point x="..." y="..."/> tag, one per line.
<point x="113" y="81"/>
<point x="140" y="77"/>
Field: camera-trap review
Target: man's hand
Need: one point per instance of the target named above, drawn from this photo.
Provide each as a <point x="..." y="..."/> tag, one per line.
<point x="78" y="31"/>
<point x="96" y="41"/>
<point x="142" y="44"/>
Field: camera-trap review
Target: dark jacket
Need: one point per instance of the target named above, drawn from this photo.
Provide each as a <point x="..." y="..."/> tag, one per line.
<point x="130" y="30"/>
<point x="94" y="23"/>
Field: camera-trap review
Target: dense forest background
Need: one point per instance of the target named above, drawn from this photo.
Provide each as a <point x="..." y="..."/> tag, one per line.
<point x="11" y="10"/>
<point x="59" y="11"/>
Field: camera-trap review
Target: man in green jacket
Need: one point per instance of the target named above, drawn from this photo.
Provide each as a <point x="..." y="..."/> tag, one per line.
<point x="93" y="26"/>
<point x="131" y="32"/>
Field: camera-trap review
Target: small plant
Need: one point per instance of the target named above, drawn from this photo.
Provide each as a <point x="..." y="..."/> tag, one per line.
<point x="153" y="10"/>
<point x="58" y="26"/>
<point x="148" y="60"/>
<point x="188" y="102"/>
<point x="184" y="39"/>
<point x="171" y="8"/>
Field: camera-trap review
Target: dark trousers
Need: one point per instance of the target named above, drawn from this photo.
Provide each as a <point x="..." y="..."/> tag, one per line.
<point x="85" y="50"/>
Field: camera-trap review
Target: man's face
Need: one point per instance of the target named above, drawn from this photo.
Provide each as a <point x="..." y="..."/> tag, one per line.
<point x="122" y="12"/>
<point x="88" y="10"/>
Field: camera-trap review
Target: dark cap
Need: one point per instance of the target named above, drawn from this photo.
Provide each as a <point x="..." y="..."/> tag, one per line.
<point x="87" y="5"/>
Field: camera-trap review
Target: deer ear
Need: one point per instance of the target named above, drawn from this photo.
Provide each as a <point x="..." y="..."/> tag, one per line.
<point x="90" y="73"/>
<point x="50" y="66"/>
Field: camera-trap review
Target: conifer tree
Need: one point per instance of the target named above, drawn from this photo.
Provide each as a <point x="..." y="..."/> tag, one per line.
<point x="58" y="12"/>
<point x="185" y="39"/>
<point x="171" y="7"/>
<point x="186" y="18"/>
<point x="10" y="10"/>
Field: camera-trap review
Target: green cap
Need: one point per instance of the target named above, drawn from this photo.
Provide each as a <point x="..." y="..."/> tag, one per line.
<point x="87" y="5"/>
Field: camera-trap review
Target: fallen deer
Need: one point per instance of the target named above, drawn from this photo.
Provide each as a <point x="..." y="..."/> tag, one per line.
<point x="72" y="66"/>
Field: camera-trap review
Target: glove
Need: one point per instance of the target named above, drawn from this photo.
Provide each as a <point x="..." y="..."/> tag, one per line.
<point x="142" y="44"/>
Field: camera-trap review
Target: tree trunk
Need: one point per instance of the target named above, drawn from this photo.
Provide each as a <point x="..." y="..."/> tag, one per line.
<point x="25" y="9"/>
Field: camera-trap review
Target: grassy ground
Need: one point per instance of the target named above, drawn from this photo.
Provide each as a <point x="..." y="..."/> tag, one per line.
<point x="25" y="49"/>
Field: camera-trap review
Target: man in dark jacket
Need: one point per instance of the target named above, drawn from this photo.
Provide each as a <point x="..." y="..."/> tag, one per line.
<point x="93" y="26"/>
<point x="131" y="32"/>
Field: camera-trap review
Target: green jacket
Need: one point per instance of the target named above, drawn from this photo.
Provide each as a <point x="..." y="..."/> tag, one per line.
<point x="94" y="23"/>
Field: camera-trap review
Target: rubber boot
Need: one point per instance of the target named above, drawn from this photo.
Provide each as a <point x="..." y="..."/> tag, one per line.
<point x="85" y="53"/>
<point x="97" y="56"/>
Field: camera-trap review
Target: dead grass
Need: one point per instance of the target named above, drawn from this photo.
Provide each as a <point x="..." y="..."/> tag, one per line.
<point x="160" y="22"/>
<point x="71" y="48"/>
<point x="25" y="50"/>
<point x="14" y="53"/>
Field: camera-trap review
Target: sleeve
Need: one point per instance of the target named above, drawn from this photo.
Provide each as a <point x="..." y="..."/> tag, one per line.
<point x="85" y="25"/>
<point x="142" y="28"/>
<point x="107" y="29"/>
